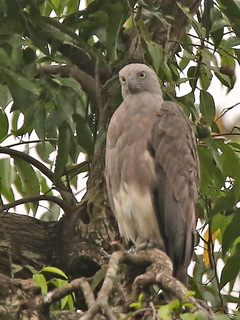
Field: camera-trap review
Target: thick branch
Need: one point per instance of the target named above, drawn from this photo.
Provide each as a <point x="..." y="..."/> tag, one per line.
<point x="86" y="61"/>
<point x="26" y="241"/>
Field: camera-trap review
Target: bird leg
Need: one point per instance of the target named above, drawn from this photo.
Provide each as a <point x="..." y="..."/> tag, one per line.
<point x="143" y="245"/>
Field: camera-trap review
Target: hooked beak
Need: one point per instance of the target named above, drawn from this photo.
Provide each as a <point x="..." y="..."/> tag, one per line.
<point x="131" y="84"/>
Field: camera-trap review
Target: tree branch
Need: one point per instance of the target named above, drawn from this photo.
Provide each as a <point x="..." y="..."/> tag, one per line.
<point x="73" y="286"/>
<point x="225" y="110"/>
<point x="62" y="204"/>
<point x="21" y="142"/>
<point x="41" y="167"/>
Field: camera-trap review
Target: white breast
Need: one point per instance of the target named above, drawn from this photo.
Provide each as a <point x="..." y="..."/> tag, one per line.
<point x="135" y="215"/>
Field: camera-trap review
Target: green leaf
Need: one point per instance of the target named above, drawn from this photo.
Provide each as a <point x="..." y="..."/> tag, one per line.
<point x="57" y="30"/>
<point x="212" y="146"/>
<point x="231" y="268"/>
<point x="52" y="214"/>
<point x="222" y="317"/>
<point x="225" y="203"/>
<point x="232" y="12"/>
<point x="67" y="300"/>
<point x="164" y="312"/>
<point x="30" y="268"/>
<point x="40" y="120"/>
<point x="22" y="81"/>
<point x="54" y="270"/>
<point x="55" y="119"/>
<point x="231" y="233"/>
<point x="206" y="20"/>
<point x="5" y="60"/>
<point x="5" y="96"/>
<point x="29" y="180"/>
<point x="98" y="278"/>
<point x="205" y="77"/>
<point x="3" y="125"/>
<point x="156" y="54"/>
<point x="41" y="282"/>
<point x="212" y="178"/>
<point x="230" y="160"/>
<point x="70" y="83"/>
<point x="84" y="134"/>
<point x="223" y="78"/>
<point x="16" y="268"/>
<point x="16" y="57"/>
<point x="220" y="221"/>
<point x="22" y="90"/>
<point x="231" y="42"/>
<point x="188" y="316"/>
<point x="193" y="75"/>
<point x="44" y="151"/>
<point x="218" y="24"/>
<point x="207" y="107"/>
<point x="217" y="37"/>
<point x="7" y="177"/>
<point x="62" y="150"/>
<point x="58" y="283"/>
<point x="64" y="104"/>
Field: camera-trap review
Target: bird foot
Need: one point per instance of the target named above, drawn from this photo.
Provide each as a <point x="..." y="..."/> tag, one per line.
<point x="142" y="246"/>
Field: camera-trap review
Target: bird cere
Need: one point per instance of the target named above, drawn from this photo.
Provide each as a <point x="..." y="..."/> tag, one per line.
<point x="152" y="169"/>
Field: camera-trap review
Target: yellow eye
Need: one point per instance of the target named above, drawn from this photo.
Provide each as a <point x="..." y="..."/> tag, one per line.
<point x="122" y="79"/>
<point x="142" y="75"/>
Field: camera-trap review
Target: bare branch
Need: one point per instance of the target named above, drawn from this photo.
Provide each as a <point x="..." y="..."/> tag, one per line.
<point x="103" y="295"/>
<point x="63" y="204"/>
<point x="73" y="286"/>
<point x="225" y="110"/>
<point x="29" y="142"/>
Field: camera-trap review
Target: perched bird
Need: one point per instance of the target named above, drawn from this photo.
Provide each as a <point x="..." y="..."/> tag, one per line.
<point x="152" y="169"/>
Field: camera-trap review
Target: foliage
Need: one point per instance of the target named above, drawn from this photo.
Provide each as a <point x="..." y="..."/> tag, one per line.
<point x="55" y="117"/>
<point x="40" y="280"/>
<point x="176" y="309"/>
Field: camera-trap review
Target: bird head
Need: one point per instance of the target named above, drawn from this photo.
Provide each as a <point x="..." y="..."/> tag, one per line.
<point x="136" y="78"/>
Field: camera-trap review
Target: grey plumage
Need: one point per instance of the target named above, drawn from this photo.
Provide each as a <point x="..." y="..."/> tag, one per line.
<point x="152" y="169"/>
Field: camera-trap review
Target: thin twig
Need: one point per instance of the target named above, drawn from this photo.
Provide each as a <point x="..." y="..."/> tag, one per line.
<point x="63" y="204"/>
<point x="225" y="110"/>
<point x="155" y="316"/>
<point x="28" y="142"/>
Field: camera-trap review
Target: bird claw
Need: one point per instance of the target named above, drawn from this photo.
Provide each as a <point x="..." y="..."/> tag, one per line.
<point x="142" y="246"/>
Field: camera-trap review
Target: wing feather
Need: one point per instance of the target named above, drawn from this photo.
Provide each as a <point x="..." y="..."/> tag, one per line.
<point x="173" y="147"/>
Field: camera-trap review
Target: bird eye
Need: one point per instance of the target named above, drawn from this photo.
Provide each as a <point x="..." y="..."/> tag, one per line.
<point x="122" y="79"/>
<point x="142" y="75"/>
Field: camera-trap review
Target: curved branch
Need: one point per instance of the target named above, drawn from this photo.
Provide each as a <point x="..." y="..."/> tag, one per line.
<point x="41" y="167"/>
<point x="73" y="286"/>
<point x="64" y="205"/>
<point x="101" y="304"/>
